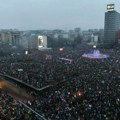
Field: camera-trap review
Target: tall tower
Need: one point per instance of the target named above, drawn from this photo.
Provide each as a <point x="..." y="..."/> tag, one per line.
<point x="112" y="25"/>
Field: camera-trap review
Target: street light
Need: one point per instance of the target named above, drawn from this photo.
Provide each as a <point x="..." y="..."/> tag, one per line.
<point x="94" y="46"/>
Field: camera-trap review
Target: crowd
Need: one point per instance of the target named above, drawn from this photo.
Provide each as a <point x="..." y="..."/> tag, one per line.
<point x="34" y="69"/>
<point x="11" y="109"/>
<point x="90" y="89"/>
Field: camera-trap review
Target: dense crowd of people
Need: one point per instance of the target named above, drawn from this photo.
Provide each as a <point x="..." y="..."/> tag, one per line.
<point x="35" y="69"/>
<point x="11" y="109"/>
<point x="90" y="89"/>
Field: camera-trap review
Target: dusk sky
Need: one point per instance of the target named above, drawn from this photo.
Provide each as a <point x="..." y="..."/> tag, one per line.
<point x="53" y="14"/>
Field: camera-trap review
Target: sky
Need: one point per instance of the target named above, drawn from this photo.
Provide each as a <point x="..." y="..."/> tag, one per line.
<point x="53" y="14"/>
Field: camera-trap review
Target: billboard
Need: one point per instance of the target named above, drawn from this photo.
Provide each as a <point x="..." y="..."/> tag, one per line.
<point x="42" y="41"/>
<point x="110" y="7"/>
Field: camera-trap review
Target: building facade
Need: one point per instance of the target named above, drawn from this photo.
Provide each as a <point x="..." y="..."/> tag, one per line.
<point x="118" y="37"/>
<point x="112" y="25"/>
<point x="10" y="37"/>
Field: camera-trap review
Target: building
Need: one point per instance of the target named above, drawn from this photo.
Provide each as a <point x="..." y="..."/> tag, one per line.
<point x="5" y="37"/>
<point x="112" y="25"/>
<point x="24" y="40"/>
<point x="32" y="42"/>
<point x="11" y="37"/>
<point x="15" y="38"/>
<point x="118" y="37"/>
<point x="87" y="36"/>
<point x="101" y="36"/>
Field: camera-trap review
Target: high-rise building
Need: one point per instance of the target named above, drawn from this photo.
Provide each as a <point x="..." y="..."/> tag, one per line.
<point x="118" y="37"/>
<point x="112" y="25"/>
